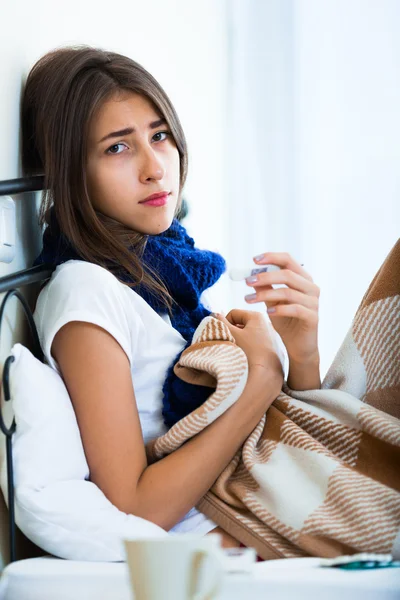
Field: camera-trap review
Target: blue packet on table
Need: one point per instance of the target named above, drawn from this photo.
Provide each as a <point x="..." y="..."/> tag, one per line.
<point x="364" y="560"/>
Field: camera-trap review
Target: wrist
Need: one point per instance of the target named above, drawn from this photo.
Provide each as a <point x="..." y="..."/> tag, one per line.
<point x="266" y="378"/>
<point x="304" y="374"/>
<point x="312" y="359"/>
<point x="263" y="386"/>
<point x="267" y="371"/>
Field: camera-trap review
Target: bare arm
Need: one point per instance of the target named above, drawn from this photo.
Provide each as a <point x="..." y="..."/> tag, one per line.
<point x="97" y="374"/>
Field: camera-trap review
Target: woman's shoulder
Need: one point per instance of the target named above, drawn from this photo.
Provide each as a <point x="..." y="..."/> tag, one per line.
<point x="78" y="284"/>
<point x="85" y="273"/>
<point x="81" y="277"/>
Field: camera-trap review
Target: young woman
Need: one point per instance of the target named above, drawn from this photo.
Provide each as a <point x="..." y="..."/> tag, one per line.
<point x="127" y="293"/>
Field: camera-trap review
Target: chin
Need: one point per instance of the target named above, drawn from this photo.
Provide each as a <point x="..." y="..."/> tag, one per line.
<point x="154" y="226"/>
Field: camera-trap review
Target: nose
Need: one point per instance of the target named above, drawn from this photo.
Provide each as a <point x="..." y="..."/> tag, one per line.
<point x="151" y="165"/>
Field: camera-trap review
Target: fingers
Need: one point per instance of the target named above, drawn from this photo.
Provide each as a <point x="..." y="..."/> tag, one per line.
<point x="285" y="261"/>
<point x="299" y="291"/>
<point x="285" y="295"/>
<point x="226" y="322"/>
<point x="240" y="317"/>
<point x="285" y="276"/>
<point x="237" y="317"/>
<point x="297" y="311"/>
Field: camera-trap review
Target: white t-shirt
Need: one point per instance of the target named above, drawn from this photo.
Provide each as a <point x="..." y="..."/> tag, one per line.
<point x="82" y="291"/>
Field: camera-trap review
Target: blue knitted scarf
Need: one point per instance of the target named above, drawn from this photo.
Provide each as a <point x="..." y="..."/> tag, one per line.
<point x="186" y="271"/>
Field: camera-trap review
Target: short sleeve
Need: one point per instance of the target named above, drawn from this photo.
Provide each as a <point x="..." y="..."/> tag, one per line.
<point x="81" y="291"/>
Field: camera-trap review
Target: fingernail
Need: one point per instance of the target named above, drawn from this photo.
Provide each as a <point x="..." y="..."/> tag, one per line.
<point x="252" y="279"/>
<point x="250" y="297"/>
<point x="271" y="310"/>
<point x="259" y="257"/>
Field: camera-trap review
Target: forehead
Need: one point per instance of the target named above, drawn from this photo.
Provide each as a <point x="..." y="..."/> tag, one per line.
<point x="122" y="110"/>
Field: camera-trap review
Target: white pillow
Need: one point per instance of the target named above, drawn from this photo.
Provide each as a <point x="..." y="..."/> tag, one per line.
<point x="55" y="506"/>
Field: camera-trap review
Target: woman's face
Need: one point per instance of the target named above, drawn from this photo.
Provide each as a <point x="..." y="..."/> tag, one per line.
<point x="125" y="167"/>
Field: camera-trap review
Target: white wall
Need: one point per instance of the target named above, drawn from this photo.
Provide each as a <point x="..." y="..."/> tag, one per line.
<point x="181" y="43"/>
<point x="347" y="91"/>
<point x="314" y="143"/>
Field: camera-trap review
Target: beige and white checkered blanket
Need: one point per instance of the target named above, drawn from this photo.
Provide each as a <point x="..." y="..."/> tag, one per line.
<point x="320" y="474"/>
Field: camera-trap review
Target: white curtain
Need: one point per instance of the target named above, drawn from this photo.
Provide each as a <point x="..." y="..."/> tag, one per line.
<point x="313" y="144"/>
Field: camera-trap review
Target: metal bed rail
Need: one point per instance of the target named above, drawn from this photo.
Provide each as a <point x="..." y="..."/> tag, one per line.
<point x="10" y="187"/>
<point x="9" y="284"/>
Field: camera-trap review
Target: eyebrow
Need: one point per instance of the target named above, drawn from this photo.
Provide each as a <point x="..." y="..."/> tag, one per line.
<point x="129" y="130"/>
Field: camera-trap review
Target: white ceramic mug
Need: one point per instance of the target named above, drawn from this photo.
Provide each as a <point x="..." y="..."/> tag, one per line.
<point x="177" y="567"/>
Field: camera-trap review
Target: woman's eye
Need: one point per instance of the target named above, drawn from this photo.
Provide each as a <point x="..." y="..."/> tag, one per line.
<point x="114" y="146"/>
<point x="161" y="133"/>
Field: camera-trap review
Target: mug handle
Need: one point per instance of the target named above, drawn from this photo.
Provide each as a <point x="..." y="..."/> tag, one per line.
<point x="212" y="584"/>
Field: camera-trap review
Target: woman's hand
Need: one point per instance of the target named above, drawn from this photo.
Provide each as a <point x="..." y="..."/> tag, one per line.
<point x="295" y="308"/>
<point x="251" y="332"/>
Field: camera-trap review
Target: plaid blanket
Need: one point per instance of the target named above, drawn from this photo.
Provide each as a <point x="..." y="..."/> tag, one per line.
<point x="320" y="474"/>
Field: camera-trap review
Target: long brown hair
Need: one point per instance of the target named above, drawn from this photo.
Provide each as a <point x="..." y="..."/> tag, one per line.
<point x="62" y="92"/>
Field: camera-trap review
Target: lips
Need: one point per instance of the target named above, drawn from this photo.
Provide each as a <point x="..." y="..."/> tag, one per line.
<point x="155" y="196"/>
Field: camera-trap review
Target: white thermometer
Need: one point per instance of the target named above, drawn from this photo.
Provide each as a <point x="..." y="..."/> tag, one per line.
<point x="242" y="273"/>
